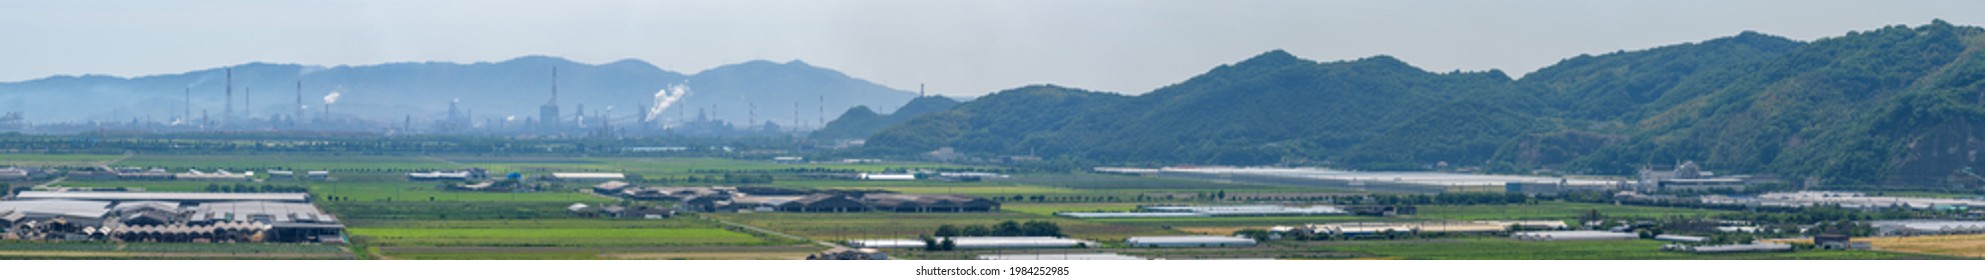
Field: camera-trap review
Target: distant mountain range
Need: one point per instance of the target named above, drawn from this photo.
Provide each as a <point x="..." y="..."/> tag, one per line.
<point x="1896" y="105"/>
<point x="492" y="91"/>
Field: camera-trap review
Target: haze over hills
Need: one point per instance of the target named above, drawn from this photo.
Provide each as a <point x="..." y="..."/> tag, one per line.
<point x="1894" y="105"/>
<point x="492" y="90"/>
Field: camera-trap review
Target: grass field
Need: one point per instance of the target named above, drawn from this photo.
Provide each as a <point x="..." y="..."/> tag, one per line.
<point x="556" y="237"/>
<point x="1049" y="209"/>
<point x="881" y="225"/>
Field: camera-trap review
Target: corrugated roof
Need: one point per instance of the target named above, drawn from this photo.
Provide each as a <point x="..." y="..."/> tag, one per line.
<point x="163" y="196"/>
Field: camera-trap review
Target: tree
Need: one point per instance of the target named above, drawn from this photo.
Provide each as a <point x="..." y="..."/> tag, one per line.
<point x="1008" y="228"/>
<point x="947" y="245"/>
<point x="946" y="230"/>
<point x="1040" y="228"/>
<point x="976" y="230"/>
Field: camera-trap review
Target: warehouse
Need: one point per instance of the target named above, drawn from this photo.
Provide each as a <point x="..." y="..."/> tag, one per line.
<point x="168" y="217"/>
<point x="1739" y="248"/>
<point x="823" y="203"/>
<point x="217" y="175"/>
<point x="1927" y="227"/>
<point x="928" y="203"/>
<point x="886" y="177"/>
<point x="186" y="197"/>
<point x="464" y="174"/>
<point x="1189" y="241"/>
<point x="1003" y="242"/>
<point x="1572" y="235"/>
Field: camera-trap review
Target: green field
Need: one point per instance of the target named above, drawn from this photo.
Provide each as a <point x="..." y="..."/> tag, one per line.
<point x="569" y="237"/>
<point x="885" y="225"/>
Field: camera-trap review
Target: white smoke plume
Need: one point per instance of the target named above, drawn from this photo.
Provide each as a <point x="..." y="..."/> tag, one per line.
<point x="664" y="98"/>
<point x="332" y="98"/>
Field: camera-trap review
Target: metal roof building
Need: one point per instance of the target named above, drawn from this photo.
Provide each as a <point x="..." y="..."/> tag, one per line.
<point x="1572" y="235"/>
<point x="1103" y="215"/>
<point x="1000" y="242"/>
<point x="164" y="196"/>
<point x="1189" y="241"/>
<point x="51" y="208"/>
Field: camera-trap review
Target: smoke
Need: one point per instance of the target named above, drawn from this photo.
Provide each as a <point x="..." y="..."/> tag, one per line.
<point x="510" y="118"/>
<point x="664" y="98"/>
<point x="332" y="98"/>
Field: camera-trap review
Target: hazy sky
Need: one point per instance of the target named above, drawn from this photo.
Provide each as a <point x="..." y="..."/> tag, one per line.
<point x="964" y="48"/>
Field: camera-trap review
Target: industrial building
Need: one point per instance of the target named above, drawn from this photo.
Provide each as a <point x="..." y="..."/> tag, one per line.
<point x="1568" y="235"/>
<point x="1738" y="248"/>
<point x="1358" y="229"/>
<point x="1189" y="241"/>
<point x="886" y="177"/>
<point x="1843" y="199"/>
<point x="183" y="197"/>
<point x="167" y="217"/>
<point x="1690" y="176"/>
<point x="455" y="175"/>
<point x="1927" y="227"/>
<point x="217" y="175"/>
<point x="1000" y="242"/>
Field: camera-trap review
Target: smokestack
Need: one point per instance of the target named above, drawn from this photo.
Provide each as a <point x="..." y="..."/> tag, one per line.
<point x="823" y="111"/>
<point x="229" y="112"/>
<point x="299" y="104"/>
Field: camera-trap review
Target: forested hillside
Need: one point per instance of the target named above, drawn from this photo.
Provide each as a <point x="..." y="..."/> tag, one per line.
<point x="1897" y="105"/>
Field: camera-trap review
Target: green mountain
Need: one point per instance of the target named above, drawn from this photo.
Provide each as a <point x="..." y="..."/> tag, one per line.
<point x="860" y="122"/>
<point x="1898" y="105"/>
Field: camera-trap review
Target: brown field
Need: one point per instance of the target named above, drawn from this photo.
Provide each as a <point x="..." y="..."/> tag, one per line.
<point x="1965" y="245"/>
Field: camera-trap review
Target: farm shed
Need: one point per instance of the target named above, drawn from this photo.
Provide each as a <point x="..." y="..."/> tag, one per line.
<point x="1189" y="241"/>
<point x="887" y="177"/>
<point x="184" y="197"/>
<point x="1680" y="238"/>
<point x="1572" y="235"/>
<point x="824" y="203"/>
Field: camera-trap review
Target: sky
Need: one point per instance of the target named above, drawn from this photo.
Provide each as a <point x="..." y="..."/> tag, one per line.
<point x="957" y="48"/>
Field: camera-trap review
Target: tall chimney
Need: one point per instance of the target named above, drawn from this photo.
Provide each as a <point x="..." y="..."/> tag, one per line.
<point x="229" y="111"/>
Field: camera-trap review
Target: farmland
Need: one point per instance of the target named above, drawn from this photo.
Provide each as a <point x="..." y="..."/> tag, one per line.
<point x="389" y="217"/>
<point x="1964" y="245"/>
